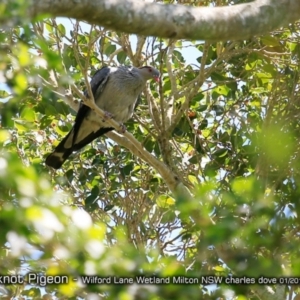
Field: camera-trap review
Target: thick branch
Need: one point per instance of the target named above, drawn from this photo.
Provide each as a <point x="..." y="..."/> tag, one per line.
<point x="176" y="21"/>
<point x="131" y="143"/>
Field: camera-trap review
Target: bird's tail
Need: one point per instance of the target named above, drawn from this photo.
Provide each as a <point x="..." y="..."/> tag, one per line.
<point x="61" y="153"/>
<point x="71" y="143"/>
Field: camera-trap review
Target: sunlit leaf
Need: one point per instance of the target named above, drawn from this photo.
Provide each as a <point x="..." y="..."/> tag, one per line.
<point x="164" y="201"/>
<point x="61" y="29"/>
<point x="28" y="114"/>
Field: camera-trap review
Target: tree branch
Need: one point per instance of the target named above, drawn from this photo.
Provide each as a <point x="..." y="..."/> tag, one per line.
<point x="176" y="21"/>
<point x="128" y="141"/>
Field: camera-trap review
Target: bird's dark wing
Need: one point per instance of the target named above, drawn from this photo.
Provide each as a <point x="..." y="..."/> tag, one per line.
<point x="82" y="132"/>
<point x="98" y="79"/>
<point x="138" y="102"/>
<point x="97" y="83"/>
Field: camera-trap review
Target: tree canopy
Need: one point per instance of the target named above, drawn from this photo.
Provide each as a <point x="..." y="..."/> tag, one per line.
<point x="203" y="183"/>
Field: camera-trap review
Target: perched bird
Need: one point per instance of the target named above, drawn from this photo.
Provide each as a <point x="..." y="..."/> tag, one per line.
<point x="116" y="90"/>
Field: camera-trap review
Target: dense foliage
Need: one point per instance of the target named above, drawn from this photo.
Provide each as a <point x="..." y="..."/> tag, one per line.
<point x="226" y="125"/>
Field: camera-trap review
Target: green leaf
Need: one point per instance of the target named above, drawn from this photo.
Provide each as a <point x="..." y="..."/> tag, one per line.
<point x="242" y="185"/>
<point x="221" y="152"/>
<point x="270" y="40"/>
<point x="193" y="179"/>
<point x="218" y="77"/>
<point x="20" y="125"/>
<point x="177" y="57"/>
<point x="202" y="108"/>
<point x="48" y="27"/>
<point x="28" y="114"/>
<point x="90" y="201"/>
<point x="126" y="170"/>
<point x="194" y="159"/>
<point x="4" y="135"/>
<point x="222" y="90"/>
<point x="121" y="57"/>
<point x="111" y="48"/>
<point x="3" y="94"/>
<point x="21" y="83"/>
<point x="165" y="201"/>
<point x="61" y="29"/>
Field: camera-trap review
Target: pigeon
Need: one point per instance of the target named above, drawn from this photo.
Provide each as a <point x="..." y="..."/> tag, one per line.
<point x="116" y="91"/>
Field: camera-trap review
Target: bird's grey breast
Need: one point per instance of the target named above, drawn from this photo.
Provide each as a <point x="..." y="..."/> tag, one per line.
<point x="120" y="93"/>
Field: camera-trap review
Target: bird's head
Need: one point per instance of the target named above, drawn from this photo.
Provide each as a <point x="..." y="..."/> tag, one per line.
<point x="149" y="72"/>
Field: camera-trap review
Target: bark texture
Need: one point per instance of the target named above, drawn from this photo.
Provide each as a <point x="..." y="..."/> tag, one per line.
<point x="176" y="21"/>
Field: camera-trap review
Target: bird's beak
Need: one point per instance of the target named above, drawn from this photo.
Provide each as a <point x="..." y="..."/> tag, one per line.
<point x="156" y="78"/>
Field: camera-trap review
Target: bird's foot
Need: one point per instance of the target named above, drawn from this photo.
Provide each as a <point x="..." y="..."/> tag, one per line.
<point x="107" y="115"/>
<point x="122" y="128"/>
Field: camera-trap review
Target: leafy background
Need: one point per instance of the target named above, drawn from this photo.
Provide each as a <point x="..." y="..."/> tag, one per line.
<point x="227" y="126"/>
